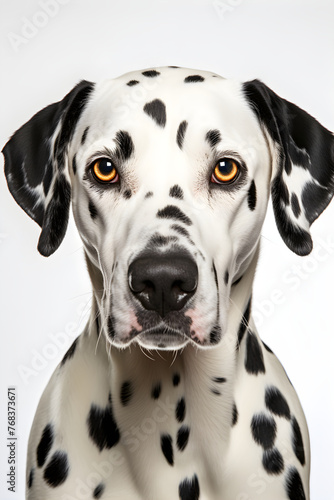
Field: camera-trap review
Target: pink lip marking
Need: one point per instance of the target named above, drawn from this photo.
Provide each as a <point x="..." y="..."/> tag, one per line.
<point x="134" y="322"/>
<point x="197" y="332"/>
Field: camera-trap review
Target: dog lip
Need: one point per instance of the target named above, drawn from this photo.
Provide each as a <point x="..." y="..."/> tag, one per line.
<point x="163" y="330"/>
<point x="162" y="336"/>
<point x="167" y="338"/>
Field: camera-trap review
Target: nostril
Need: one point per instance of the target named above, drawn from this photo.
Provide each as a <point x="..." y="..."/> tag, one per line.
<point x="189" y="284"/>
<point x="178" y="295"/>
<point x="138" y="285"/>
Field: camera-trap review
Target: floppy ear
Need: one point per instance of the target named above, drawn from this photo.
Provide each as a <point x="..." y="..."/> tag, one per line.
<point x="303" y="172"/>
<point x="35" y="159"/>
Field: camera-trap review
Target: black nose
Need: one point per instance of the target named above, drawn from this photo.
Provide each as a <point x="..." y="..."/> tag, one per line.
<point x="163" y="282"/>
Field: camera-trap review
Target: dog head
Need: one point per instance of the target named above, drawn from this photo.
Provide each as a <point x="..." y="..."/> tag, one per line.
<point x="170" y="172"/>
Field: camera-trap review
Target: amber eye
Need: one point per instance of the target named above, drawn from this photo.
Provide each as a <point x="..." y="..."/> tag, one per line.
<point x="225" y="171"/>
<point x="104" y="170"/>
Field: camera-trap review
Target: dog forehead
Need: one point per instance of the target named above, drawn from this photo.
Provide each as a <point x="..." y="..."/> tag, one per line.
<point x="165" y="97"/>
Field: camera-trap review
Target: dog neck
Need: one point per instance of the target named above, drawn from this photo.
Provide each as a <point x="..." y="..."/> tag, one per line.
<point x="173" y="392"/>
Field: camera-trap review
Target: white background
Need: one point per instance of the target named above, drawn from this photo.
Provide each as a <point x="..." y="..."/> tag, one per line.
<point x="287" y="44"/>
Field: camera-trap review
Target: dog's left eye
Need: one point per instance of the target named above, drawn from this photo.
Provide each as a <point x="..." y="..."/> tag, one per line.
<point x="225" y="171"/>
<point x="104" y="171"/>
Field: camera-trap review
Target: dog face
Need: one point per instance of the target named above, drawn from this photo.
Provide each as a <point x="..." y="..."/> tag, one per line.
<point x="170" y="172"/>
<point x="164" y="201"/>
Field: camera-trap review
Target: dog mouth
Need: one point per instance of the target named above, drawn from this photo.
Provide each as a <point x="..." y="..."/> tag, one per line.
<point x="162" y="337"/>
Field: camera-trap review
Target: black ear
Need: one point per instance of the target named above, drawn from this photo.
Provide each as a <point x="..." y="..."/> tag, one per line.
<point x="303" y="171"/>
<point x="35" y="160"/>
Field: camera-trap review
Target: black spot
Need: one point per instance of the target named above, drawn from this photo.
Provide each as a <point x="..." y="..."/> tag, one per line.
<point x="97" y="324"/>
<point x="297" y="441"/>
<point x="267" y="348"/>
<point x="294" y="485"/>
<point x="166" y="443"/>
<point x="69" y="354"/>
<point x="189" y="489"/>
<point x="45" y="445"/>
<point x="215" y="274"/>
<point x="244" y="322"/>
<point x="127" y="194"/>
<point x="182" y="437"/>
<point x="149" y="194"/>
<point x="226" y="277"/>
<point x="298" y="156"/>
<point x="216" y="392"/>
<point x="57" y="469"/>
<point x="285" y="195"/>
<point x="194" y="79"/>
<point x="252" y="196"/>
<point x="156" y="391"/>
<point x="74" y="164"/>
<point x="131" y="83"/>
<point x="180" y="230"/>
<point x="215" y="334"/>
<point x="126" y="393"/>
<point x="254" y="363"/>
<point x="219" y="380"/>
<point x="92" y="210"/>
<point x="180" y="133"/>
<point x="272" y="461"/>
<point x="125" y="146"/>
<point x="176" y="192"/>
<point x="173" y="212"/>
<point x="315" y="199"/>
<point x="276" y="402"/>
<point x="111" y="329"/>
<point x="31" y="477"/>
<point x="102" y="427"/>
<point x="263" y="430"/>
<point x="213" y="137"/>
<point x="180" y="411"/>
<point x="176" y="379"/>
<point x="156" y="110"/>
<point x="151" y="73"/>
<point x="296" y="238"/>
<point x="158" y="240"/>
<point x="235" y="415"/>
<point x="295" y="205"/>
<point x="97" y="493"/>
<point x="84" y="135"/>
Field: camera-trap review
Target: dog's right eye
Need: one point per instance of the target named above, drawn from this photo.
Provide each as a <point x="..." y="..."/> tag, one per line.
<point x="225" y="172"/>
<point x="104" y="171"/>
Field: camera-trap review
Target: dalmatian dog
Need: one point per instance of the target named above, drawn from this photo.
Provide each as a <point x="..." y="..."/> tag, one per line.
<point x="169" y="393"/>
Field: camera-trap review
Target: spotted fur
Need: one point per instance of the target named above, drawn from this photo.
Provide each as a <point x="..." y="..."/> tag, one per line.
<point x="169" y="392"/>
